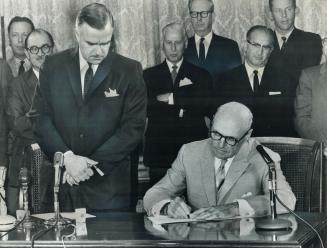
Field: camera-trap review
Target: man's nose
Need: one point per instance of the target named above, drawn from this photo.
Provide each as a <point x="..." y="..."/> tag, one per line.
<point x="21" y="38"/>
<point x="222" y="142"/>
<point x="198" y="17"/>
<point x="173" y="47"/>
<point x="99" y="49"/>
<point x="284" y="13"/>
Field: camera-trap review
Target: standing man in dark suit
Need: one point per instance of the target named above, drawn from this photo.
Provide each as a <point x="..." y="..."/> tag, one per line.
<point x="93" y="110"/>
<point x="214" y="53"/>
<point x="294" y="49"/>
<point x="264" y="89"/>
<point x="177" y="101"/>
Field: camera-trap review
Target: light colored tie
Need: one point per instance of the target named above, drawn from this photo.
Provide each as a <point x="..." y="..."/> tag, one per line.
<point x="220" y="174"/>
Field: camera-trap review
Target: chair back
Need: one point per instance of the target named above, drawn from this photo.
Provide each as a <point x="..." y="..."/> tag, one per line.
<point x="302" y="163"/>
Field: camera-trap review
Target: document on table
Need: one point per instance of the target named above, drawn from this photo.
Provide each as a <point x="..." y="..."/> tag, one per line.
<point x="69" y="215"/>
<point x="164" y="219"/>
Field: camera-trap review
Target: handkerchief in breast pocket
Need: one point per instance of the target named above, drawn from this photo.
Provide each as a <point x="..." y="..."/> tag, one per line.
<point x="274" y="93"/>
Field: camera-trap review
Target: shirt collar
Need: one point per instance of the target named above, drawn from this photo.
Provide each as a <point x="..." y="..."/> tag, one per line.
<point x="207" y="38"/>
<point x="83" y="64"/>
<point x="250" y="70"/>
<point x="279" y="36"/>
<point x="227" y="165"/>
<point x="26" y="60"/>
<point x="170" y="64"/>
<point x="37" y="74"/>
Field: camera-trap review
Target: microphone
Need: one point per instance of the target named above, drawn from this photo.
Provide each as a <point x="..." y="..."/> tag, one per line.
<point x="273" y="223"/>
<point x="57" y="220"/>
<point x="24" y="181"/>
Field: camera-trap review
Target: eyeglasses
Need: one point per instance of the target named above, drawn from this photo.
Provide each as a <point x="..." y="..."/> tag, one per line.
<point x="35" y="50"/>
<point x="203" y="14"/>
<point x="215" y="135"/>
<point x="266" y="48"/>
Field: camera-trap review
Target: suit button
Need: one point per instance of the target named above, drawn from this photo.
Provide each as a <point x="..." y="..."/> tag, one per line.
<point x="81" y="136"/>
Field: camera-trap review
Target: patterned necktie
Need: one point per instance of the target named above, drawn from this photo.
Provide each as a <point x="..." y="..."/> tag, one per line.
<point x="88" y="79"/>
<point x="284" y="44"/>
<point x="21" y="68"/>
<point x="220" y="174"/>
<point x="255" y="82"/>
<point x="202" y="55"/>
<point x="174" y="73"/>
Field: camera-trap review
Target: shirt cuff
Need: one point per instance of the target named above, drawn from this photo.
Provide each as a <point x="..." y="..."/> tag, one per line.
<point x="156" y="208"/>
<point x="171" y="99"/>
<point x="244" y="208"/>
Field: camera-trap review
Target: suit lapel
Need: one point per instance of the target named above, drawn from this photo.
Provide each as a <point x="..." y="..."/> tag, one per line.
<point x="101" y="73"/>
<point x="236" y="169"/>
<point x="244" y="77"/>
<point x="208" y="175"/>
<point x="74" y="75"/>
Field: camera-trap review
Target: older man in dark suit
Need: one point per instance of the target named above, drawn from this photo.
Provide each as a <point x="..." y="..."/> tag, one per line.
<point x="94" y="104"/>
<point x="212" y="52"/>
<point x="177" y="103"/>
<point x="294" y="49"/>
<point x="266" y="90"/>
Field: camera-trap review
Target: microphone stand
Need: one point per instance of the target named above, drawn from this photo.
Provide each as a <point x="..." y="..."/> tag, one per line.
<point x="57" y="220"/>
<point x="273" y="223"/>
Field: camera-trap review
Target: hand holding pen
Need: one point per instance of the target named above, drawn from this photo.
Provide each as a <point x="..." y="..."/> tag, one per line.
<point x="177" y="208"/>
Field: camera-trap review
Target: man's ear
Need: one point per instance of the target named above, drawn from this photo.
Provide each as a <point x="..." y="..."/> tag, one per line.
<point x="77" y="35"/>
<point x="249" y="134"/>
<point x="244" y="46"/>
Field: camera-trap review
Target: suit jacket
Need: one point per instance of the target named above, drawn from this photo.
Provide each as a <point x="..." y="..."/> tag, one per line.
<point x="15" y="64"/>
<point x="311" y="104"/>
<point x="5" y="78"/>
<point x="272" y="109"/>
<point x="168" y="129"/>
<point x="104" y="126"/>
<point x="302" y="50"/>
<point x="223" y="54"/>
<point x="247" y="178"/>
<point x="20" y="96"/>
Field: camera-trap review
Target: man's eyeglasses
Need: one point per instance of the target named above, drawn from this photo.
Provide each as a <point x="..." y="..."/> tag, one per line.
<point x="258" y="46"/>
<point x="203" y="14"/>
<point x="35" y="50"/>
<point x="215" y="135"/>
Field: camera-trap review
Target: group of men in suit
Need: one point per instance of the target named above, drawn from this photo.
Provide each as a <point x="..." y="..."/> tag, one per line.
<point x="266" y="83"/>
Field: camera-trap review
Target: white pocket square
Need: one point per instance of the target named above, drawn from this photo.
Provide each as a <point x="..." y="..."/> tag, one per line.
<point x="185" y="82"/>
<point x="273" y="93"/>
<point x="111" y="93"/>
<point x="246" y="194"/>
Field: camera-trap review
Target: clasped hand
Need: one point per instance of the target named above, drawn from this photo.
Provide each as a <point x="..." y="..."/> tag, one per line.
<point x="78" y="169"/>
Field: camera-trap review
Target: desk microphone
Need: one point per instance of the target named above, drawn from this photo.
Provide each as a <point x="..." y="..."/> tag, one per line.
<point x="24" y="181"/>
<point x="273" y="223"/>
<point x="58" y="220"/>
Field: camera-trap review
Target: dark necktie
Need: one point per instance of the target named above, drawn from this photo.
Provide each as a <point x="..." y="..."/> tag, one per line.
<point x="21" y="68"/>
<point x="174" y="73"/>
<point x="220" y="174"/>
<point x="88" y="79"/>
<point x="284" y="44"/>
<point x="202" y="55"/>
<point x="255" y="82"/>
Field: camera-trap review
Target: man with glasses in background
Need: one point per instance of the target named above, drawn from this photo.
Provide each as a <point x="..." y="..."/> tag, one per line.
<point x="264" y="89"/>
<point x="21" y="116"/>
<point x="214" y="53"/>
<point x="223" y="176"/>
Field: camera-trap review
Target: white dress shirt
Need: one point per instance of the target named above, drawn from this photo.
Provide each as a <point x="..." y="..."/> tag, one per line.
<point x="279" y="37"/>
<point x="83" y="66"/>
<point x="206" y="42"/>
<point x="249" y="71"/>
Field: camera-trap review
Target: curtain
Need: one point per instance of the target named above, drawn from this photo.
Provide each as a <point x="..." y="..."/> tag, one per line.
<point x="138" y="23"/>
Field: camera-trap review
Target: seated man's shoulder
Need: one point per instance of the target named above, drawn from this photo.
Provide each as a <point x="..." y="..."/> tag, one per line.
<point x="196" y="147"/>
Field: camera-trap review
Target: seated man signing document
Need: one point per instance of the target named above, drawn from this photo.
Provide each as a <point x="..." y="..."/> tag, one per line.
<point x="223" y="176"/>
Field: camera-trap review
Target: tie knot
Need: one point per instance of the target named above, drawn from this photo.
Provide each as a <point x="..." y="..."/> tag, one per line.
<point x="255" y="72"/>
<point x="174" y="67"/>
<point x="90" y="65"/>
<point x="202" y="39"/>
<point x="222" y="164"/>
<point x="22" y="62"/>
<point x="284" y="38"/>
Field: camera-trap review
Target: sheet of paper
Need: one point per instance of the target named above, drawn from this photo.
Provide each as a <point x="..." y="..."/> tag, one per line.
<point x="164" y="219"/>
<point x="69" y="215"/>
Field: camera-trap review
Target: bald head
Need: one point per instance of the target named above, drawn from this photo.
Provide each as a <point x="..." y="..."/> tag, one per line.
<point x="236" y="115"/>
